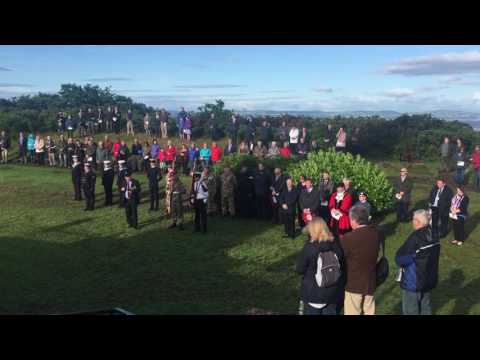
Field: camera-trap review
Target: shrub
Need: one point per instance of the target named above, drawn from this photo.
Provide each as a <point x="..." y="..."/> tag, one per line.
<point x="364" y="175"/>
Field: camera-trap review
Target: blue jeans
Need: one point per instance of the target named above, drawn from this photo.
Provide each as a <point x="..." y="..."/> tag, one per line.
<point x="416" y="303"/>
<point x="477" y="180"/>
<point x="460" y="178"/>
<point x="330" y="309"/>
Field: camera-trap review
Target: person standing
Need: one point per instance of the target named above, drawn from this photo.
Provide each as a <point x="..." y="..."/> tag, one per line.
<point x="360" y="248"/>
<point x="200" y="199"/>
<point x="193" y="155"/>
<point x="273" y="151"/>
<point x="294" y="135"/>
<point x="283" y="132"/>
<point x="325" y="190"/>
<point x="178" y="191"/>
<point x="107" y="181"/>
<point x="328" y="138"/>
<point x="439" y="202"/>
<point x="212" y="191"/>
<point x="171" y="154"/>
<point x="339" y="205"/>
<point x="309" y="202"/>
<point x="288" y="202"/>
<point x="250" y="132"/>
<point x="101" y="155"/>
<point x="147" y="125"/>
<point x="205" y="154"/>
<point x="476" y="166"/>
<point x="164" y="123"/>
<point x="88" y="185"/>
<point x="136" y="157"/>
<point x="403" y="194"/>
<point x="230" y="148"/>
<point x="130" y="122"/>
<point x="320" y="244"/>
<point x="154" y="176"/>
<point x="278" y="185"/>
<point x="131" y="192"/>
<point x="245" y="193"/>
<point x="341" y="144"/>
<point x="418" y="259"/>
<point x="445" y="155"/>
<point x="233" y="130"/>
<point x="216" y="152"/>
<point x="122" y="170"/>
<point x="31" y="148"/>
<point x="260" y="151"/>
<point x="183" y="159"/>
<point x="4" y="145"/>
<point x="51" y="149"/>
<point x="285" y="151"/>
<point x="71" y="150"/>
<point x="100" y="120"/>
<point x="90" y="122"/>
<point x="116" y="118"/>
<point x="22" y="148"/>
<point x="70" y="125"/>
<point x="228" y="186"/>
<point x="77" y="175"/>
<point x="363" y="201"/>
<point x="461" y="163"/>
<point x="108" y="119"/>
<point x="302" y="148"/>
<point x="212" y="127"/>
<point x="40" y="150"/>
<point x="262" y="183"/>
<point x="458" y="214"/>
<point x="187" y="127"/>
<point x="180" y="122"/>
<point x="62" y="151"/>
<point x="156" y="125"/>
<point x="264" y="133"/>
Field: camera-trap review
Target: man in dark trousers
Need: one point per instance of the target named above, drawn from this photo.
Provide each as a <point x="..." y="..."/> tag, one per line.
<point x="245" y="193"/>
<point x="440" y="201"/>
<point x="262" y="184"/>
<point x="154" y="176"/>
<point x="77" y="178"/>
<point x="403" y="191"/>
<point x="107" y="182"/>
<point x="277" y="187"/>
<point x="88" y="184"/>
<point x="309" y="200"/>
<point x="122" y="169"/>
<point x="288" y="202"/>
<point x="199" y="198"/>
<point x="131" y="191"/>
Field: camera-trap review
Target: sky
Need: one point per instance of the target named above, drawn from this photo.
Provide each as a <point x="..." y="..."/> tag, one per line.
<point x="401" y="78"/>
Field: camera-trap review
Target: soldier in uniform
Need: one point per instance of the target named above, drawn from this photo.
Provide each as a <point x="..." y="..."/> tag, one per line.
<point x="212" y="191"/>
<point x="122" y="169"/>
<point x="88" y="184"/>
<point x="228" y="186"/>
<point x="176" y="200"/>
<point x="107" y="182"/>
<point x="77" y="178"/>
<point x="154" y="177"/>
<point x="131" y="190"/>
<point x="245" y="193"/>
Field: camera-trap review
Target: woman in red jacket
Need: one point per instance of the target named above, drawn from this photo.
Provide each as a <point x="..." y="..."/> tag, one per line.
<point x="285" y="151"/>
<point x="171" y="153"/>
<point x="162" y="158"/>
<point x="216" y="153"/>
<point x="339" y="205"/>
<point x="116" y="148"/>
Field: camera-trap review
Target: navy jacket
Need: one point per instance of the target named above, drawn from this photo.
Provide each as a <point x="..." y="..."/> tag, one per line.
<point x="261" y="182"/>
<point x="419" y="257"/>
<point x="290" y="198"/>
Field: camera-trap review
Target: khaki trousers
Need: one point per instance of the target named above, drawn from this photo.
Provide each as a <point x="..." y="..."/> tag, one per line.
<point x="163" y="128"/>
<point x="130" y="128"/>
<point x="355" y="304"/>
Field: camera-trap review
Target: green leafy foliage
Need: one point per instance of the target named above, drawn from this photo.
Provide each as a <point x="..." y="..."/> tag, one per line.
<point x="364" y="175"/>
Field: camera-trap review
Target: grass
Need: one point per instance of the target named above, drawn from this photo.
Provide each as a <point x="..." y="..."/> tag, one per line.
<point x="56" y="258"/>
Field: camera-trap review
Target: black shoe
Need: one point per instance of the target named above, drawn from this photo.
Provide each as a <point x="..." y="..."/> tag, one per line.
<point x="172" y="226"/>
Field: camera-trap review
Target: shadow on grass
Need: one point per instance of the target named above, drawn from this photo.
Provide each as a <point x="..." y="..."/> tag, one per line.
<point x="150" y="271"/>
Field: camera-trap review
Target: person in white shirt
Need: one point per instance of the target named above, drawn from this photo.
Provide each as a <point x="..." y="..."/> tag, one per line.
<point x="341" y="144"/>
<point x="294" y="136"/>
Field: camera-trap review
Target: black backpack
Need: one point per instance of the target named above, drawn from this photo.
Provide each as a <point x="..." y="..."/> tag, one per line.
<point x="382" y="268"/>
<point x="328" y="269"/>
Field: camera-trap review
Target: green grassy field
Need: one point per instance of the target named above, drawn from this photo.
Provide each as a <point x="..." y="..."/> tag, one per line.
<point x="56" y="258"/>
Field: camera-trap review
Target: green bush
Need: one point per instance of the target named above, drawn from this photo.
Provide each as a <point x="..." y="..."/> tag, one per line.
<point x="364" y="175"/>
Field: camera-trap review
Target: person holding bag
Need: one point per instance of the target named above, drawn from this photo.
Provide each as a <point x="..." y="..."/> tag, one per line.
<point x="458" y="214"/>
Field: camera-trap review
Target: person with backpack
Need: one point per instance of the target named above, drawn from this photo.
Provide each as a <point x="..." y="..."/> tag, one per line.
<point x="320" y="264"/>
<point x="418" y="259"/>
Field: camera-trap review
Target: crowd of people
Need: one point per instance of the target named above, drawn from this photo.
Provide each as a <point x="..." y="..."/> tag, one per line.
<point x="339" y="259"/>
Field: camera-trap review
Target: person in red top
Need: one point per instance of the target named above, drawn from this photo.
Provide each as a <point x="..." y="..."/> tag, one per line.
<point x="339" y="205"/>
<point x="171" y="153"/>
<point x="108" y="144"/>
<point x="285" y="150"/>
<point x="162" y="158"/>
<point x="116" y="148"/>
<point x="216" y="153"/>
<point x="476" y="165"/>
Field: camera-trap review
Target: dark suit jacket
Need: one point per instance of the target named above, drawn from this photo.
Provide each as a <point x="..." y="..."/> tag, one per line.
<point x="405" y="186"/>
<point x="445" y="198"/>
<point x="233" y="150"/>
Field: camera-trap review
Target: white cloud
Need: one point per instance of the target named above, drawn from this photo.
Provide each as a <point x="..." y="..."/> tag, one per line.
<point x="476" y="96"/>
<point x="399" y="93"/>
<point x="441" y="64"/>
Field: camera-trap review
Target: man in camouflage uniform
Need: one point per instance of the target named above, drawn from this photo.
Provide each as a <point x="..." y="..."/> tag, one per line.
<point x="228" y="186"/>
<point x="212" y="191"/>
<point x="176" y="201"/>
